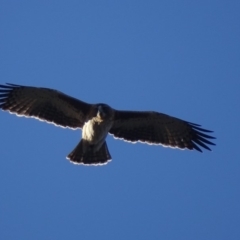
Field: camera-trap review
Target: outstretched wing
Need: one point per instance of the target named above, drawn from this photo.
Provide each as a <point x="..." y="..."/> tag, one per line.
<point x="44" y="104"/>
<point x="158" y="128"/>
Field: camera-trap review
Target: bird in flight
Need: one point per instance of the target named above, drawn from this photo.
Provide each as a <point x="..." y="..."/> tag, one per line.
<point x="97" y="120"/>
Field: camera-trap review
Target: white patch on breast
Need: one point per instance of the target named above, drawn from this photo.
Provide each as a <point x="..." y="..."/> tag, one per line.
<point x="96" y="132"/>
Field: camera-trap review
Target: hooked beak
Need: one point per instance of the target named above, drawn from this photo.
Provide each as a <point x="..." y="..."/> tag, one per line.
<point x="100" y="113"/>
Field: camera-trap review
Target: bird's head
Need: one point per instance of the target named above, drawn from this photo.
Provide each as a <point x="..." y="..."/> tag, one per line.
<point x="103" y="112"/>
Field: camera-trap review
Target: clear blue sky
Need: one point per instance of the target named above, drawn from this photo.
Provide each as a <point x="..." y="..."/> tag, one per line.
<point x="181" y="58"/>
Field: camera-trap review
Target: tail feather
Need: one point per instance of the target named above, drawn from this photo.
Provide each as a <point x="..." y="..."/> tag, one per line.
<point x="81" y="155"/>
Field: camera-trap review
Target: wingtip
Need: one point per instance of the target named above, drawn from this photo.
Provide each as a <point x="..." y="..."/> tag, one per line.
<point x="9" y="86"/>
<point x="13" y="85"/>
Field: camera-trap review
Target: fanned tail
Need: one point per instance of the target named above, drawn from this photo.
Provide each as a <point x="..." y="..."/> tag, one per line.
<point x="88" y="156"/>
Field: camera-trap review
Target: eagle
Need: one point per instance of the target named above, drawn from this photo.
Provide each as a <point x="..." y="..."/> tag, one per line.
<point x="97" y="120"/>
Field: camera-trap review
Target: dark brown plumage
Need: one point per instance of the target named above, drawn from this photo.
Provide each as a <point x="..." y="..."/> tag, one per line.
<point x="159" y="128"/>
<point x="97" y="120"/>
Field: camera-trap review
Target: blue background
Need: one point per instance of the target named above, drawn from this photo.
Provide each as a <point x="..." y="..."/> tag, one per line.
<point x="181" y="58"/>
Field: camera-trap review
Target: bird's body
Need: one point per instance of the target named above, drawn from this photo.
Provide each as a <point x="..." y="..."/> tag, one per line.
<point x="97" y="120"/>
<point x="96" y="128"/>
<point x="94" y="133"/>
